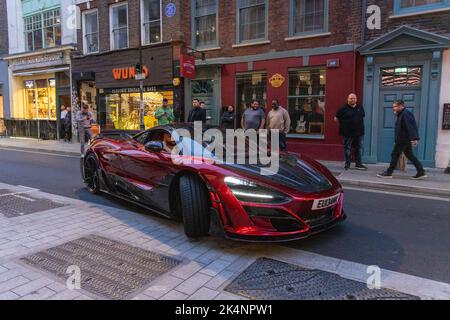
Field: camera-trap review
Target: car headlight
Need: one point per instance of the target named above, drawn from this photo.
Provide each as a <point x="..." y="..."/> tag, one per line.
<point x="248" y="191"/>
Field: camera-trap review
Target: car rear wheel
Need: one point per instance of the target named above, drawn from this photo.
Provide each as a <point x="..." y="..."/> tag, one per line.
<point x="194" y="206"/>
<point x="91" y="178"/>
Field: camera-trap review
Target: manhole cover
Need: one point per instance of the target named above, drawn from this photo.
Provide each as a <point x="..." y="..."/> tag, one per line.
<point x="268" y="279"/>
<point x="16" y="205"/>
<point x="110" y="269"/>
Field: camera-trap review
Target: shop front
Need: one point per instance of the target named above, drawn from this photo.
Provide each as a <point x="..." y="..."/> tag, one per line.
<point x="406" y="64"/>
<point x="39" y="86"/>
<point x="311" y="84"/>
<point x="106" y="83"/>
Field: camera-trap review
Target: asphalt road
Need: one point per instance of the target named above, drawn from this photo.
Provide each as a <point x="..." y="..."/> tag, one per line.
<point x="405" y="234"/>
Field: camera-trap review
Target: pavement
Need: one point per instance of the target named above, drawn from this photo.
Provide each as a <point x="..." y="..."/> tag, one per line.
<point x="437" y="183"/>
<point x="208" y="265"/>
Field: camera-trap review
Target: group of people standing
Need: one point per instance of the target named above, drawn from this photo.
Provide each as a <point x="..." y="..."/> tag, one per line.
<point x="351" y="120"/>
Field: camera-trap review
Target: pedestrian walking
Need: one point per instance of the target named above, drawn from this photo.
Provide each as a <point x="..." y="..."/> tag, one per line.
<point x="351" y="127"/>
<point x="164" y="114"/>
<point x="62" y="116"/>
<point x="254" y="117"/>
<point x="279" y="119"/>
<point x="84" y="120"/>
<point x="68" y="125"/>
<point x="228" y="118"/>
<point x="197" y="113"/>
<point x="406" y="137"/>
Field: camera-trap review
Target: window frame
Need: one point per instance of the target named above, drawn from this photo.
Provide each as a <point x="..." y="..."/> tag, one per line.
<point x="307" y="135"/>
<point x="85" y="13"/>
<point x="43" y="28"/>
<point x="238" y="18"/>
<point x="193" y="24"/>
<point x="144" y="22"/>
<point x="398" y="10"/>
<point x="111" y="35"/>
<point x="292" y="17"/>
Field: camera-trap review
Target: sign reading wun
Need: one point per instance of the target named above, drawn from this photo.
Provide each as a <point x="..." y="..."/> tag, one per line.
<point x="170" y="10"/>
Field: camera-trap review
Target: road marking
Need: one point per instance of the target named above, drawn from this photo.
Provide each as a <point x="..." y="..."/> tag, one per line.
<point x="24" y="198"/>
<point x="39" y="152"/>
<point x="410" y="195"/>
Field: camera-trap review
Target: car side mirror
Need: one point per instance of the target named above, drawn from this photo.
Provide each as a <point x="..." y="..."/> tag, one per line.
<point x="154" y="146"/>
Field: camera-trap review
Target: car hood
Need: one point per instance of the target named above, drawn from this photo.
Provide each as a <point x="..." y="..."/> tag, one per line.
<point x="293" y="172"/>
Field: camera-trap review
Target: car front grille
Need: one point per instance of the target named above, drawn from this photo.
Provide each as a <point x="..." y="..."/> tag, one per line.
<point x="318" y="218"/>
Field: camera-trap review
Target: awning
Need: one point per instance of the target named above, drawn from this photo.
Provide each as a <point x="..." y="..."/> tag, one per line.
<point x="41" y="71"/>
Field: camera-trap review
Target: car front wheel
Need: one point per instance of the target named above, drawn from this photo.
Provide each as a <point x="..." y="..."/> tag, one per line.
<point x="91" y="178"/>
<point x="194" y="206"/>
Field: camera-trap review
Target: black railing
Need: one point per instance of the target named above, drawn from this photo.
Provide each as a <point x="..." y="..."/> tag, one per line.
<point x="39" y="129"/>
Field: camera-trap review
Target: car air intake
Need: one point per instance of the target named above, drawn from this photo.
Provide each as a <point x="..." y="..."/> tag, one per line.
<point x="274" y="219"/>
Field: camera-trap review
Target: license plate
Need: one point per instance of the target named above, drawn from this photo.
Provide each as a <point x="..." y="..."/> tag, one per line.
<point x="325" y="202"/>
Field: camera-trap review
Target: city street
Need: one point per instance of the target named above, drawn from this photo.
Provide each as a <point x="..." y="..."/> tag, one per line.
<point x="402" y="233"/>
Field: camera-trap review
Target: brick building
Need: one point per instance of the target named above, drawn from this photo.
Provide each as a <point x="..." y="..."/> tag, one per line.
<point x="302" y="53"/>
<point x="108" y="51"/>
<point x="409" y="59"/>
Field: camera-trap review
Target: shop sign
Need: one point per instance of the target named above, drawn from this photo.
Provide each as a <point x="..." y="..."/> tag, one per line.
<point x="276" y="80"/>
<point x="45" y="60"/>
<point x="128" y="73"/>
<point x="187" y="66"/>
<point x="446" y="117"/>
<point x="333" y="63"/>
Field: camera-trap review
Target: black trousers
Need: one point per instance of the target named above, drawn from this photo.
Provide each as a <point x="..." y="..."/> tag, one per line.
<point x="406" y="148"/>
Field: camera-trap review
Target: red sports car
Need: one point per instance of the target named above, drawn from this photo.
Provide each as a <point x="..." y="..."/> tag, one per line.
<point x="303" y="198"/>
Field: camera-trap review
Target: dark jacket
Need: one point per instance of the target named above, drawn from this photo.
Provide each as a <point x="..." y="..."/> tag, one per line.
<point x="406" y="127"/>
<point x="198" y="114"/>
<point x="228" y="120"/>
<point x="351" y="121"/>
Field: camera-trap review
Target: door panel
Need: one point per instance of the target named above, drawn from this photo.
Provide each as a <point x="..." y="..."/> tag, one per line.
<point x="387" y="117"/>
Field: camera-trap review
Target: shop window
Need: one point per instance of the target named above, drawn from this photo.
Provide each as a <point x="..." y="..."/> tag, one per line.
<point x="401" y="77"/>
<point x="40" y="99"/>
<point x="90" y="31"/>
<point x="252" y="20"/>
<point x="249" y="87"/>
<point x="119" y="26"/>
<point x="152" y="21"/>
<point x="122" y="110"/>
<point x="205" y="23"/>
<point x="308" y="17"/>
<point x="306" y="102"/>
<point x="43" y="30"/>
<point x="413" y="6"/>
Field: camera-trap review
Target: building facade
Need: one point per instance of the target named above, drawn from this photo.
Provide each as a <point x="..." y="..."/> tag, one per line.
<point x="302" y="53"/>
<point x="408" y="58"/>
<point x="104" y="66"/>
<point x="42" y="35"/>
<point x="4" y="88"/>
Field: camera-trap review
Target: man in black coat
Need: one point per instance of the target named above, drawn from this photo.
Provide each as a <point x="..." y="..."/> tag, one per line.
<point x="197" y="113"/>
<point x="351" y="126"/>
<point x="406" y="137"/>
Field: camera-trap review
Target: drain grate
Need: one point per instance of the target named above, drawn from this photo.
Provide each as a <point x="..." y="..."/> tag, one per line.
<point x="268" y="279"/>
<point x="109" y="269"/>
<point x="4" y="191"/>
<point x="17" y="205"/>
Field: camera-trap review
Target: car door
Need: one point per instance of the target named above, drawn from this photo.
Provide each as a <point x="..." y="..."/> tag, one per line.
<point x="148" y="173"/>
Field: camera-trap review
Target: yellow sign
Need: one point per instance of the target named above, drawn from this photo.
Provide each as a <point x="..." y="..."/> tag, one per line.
<point x="276" y="80"/>
<point x="176" y="82"/>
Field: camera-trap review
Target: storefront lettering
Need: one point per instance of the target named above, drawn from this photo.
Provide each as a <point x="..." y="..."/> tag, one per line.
<point x="127" y="73"/>
<point x="39" y="59"/>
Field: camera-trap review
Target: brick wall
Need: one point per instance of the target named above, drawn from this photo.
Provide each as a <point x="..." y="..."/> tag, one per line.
<point x="438" y="22"/>
<point x="344" y="25"/>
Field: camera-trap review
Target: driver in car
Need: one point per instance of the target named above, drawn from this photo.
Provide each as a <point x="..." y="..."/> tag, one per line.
<point x="168" y="143"/>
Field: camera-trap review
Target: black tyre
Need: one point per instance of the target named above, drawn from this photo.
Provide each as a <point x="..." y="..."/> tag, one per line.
<point x="194" y="206"/>
<point x="91" y="174"/>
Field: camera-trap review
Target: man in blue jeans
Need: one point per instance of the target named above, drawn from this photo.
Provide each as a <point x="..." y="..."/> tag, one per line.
<point x="351" y="126"/>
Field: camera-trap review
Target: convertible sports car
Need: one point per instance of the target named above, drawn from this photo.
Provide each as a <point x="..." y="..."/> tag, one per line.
<point x="303" y="198"/>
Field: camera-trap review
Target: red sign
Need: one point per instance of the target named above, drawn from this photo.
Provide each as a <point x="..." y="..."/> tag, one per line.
<point x="187" y="66"/>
